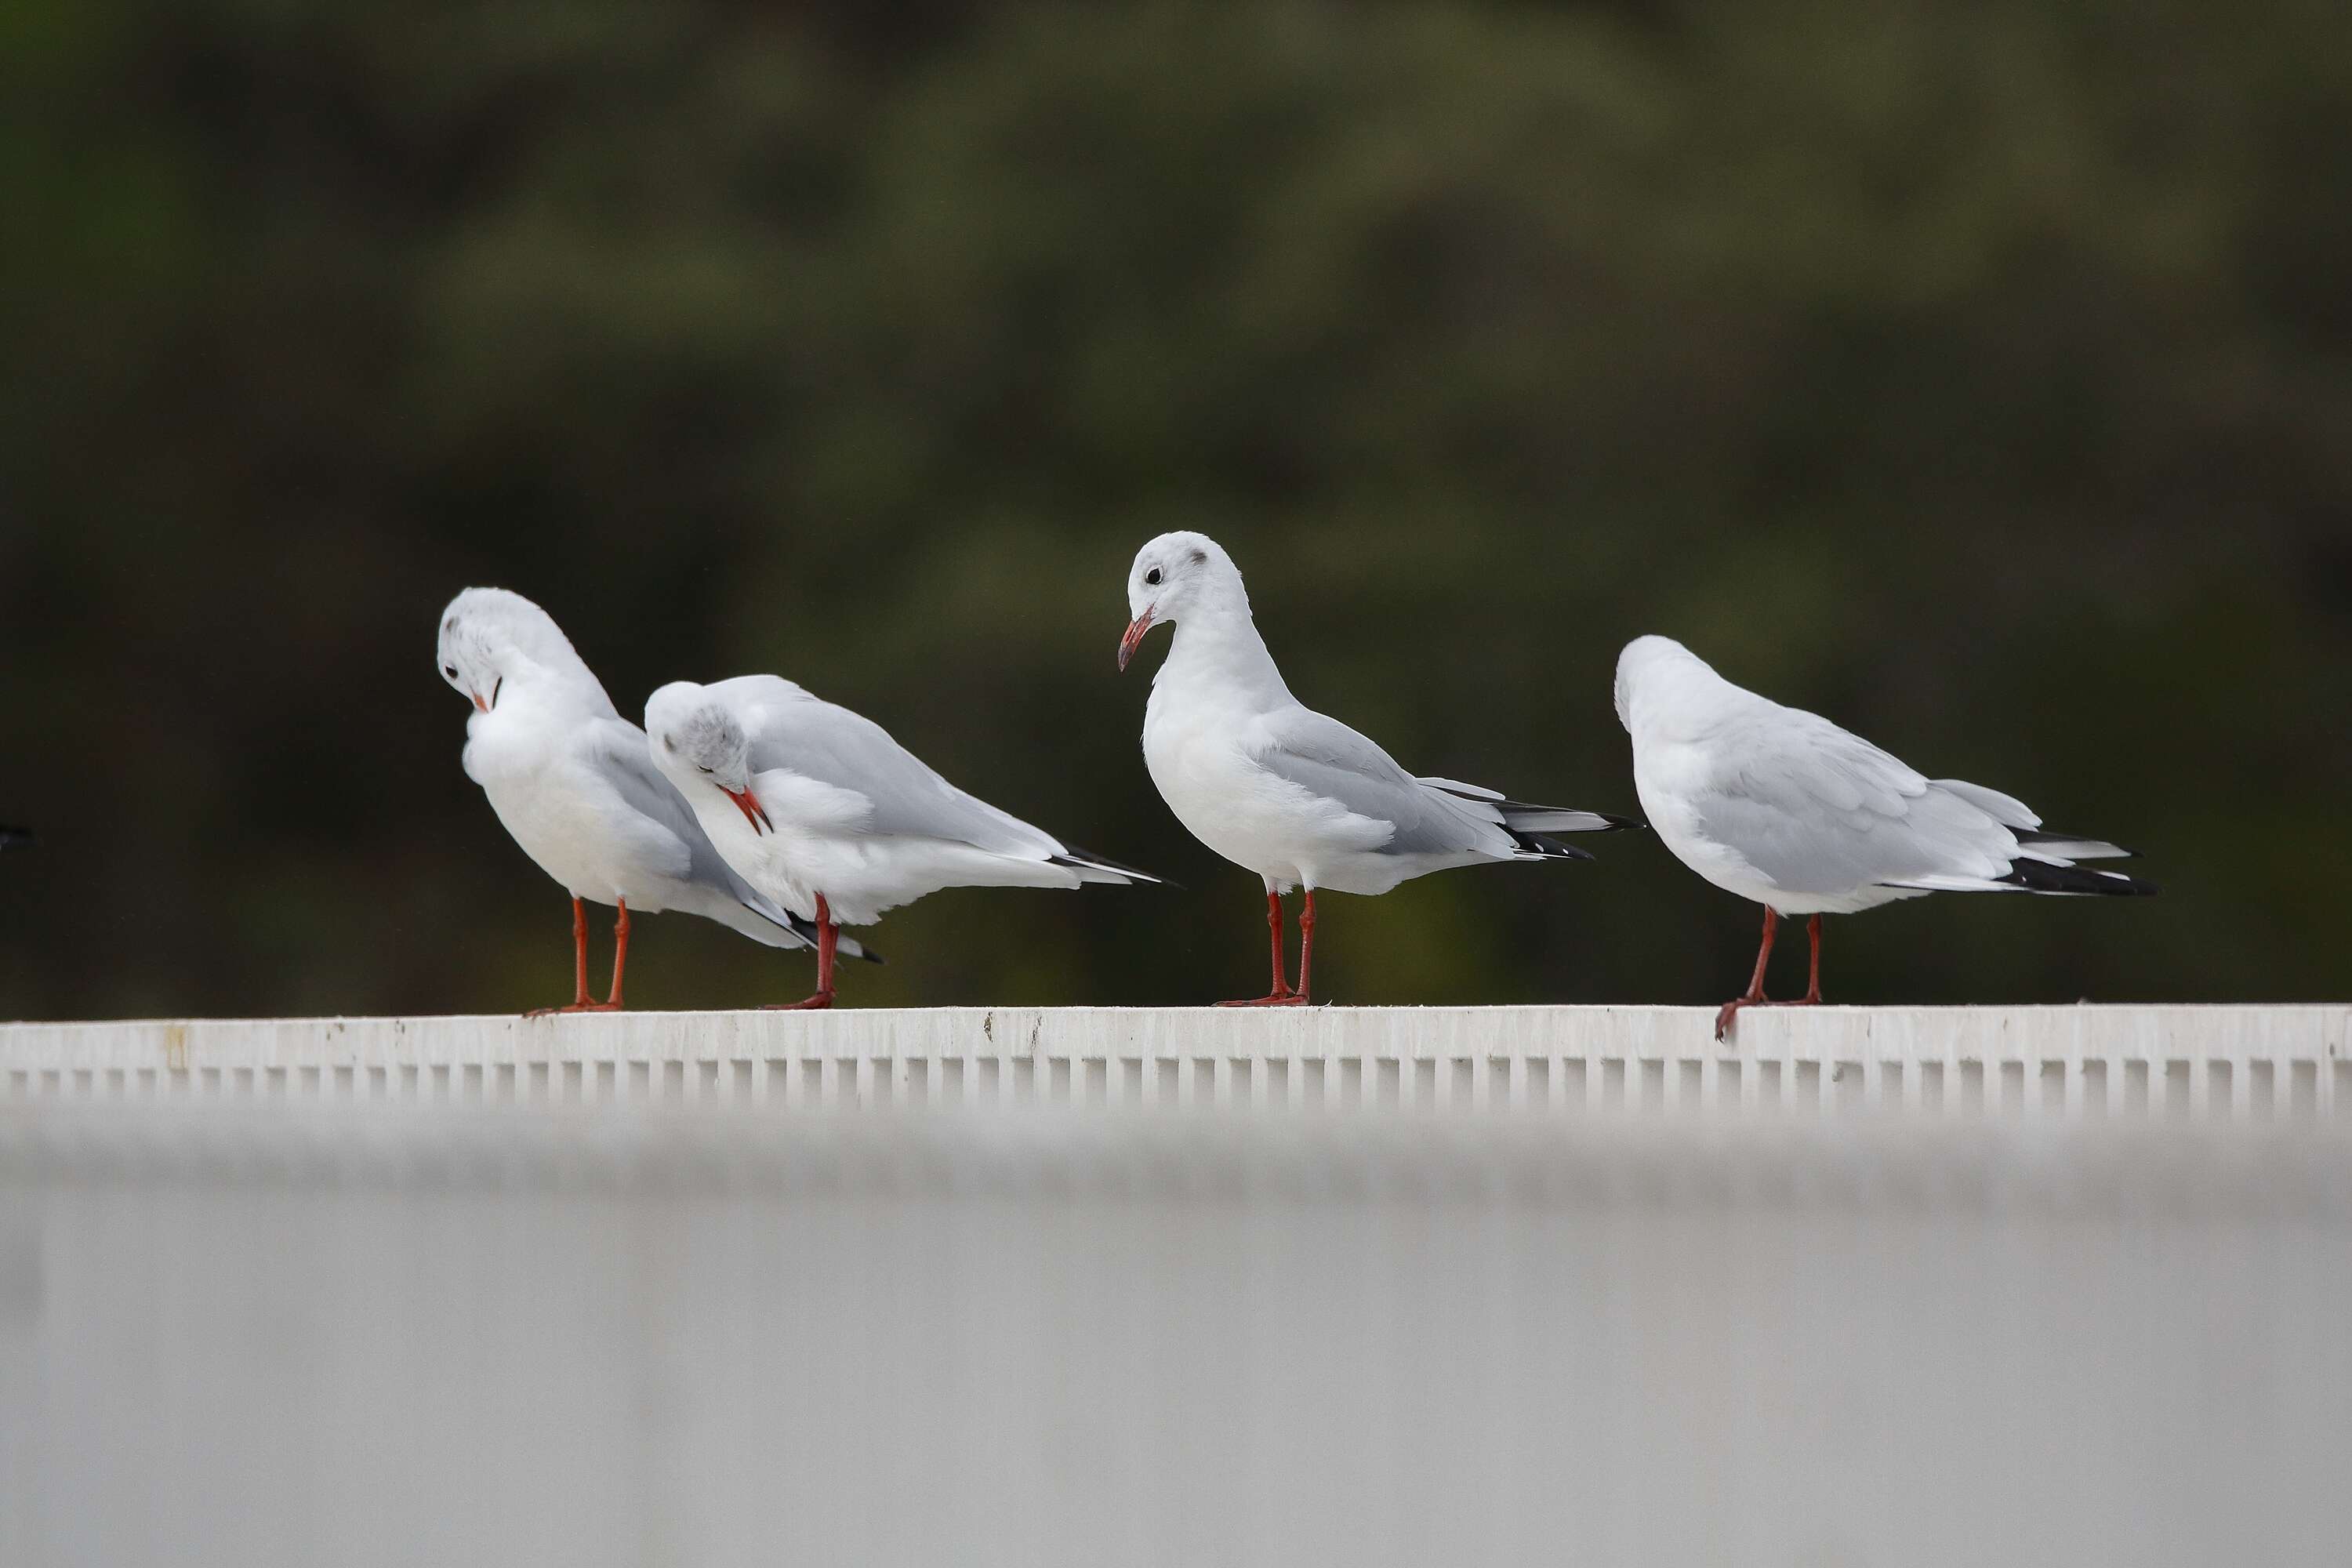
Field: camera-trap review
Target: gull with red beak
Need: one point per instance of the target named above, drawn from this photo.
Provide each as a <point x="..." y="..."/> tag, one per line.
<point x="1283" y="791"/>
<point x="818" y="808"/>
<point x="570" y="778"/>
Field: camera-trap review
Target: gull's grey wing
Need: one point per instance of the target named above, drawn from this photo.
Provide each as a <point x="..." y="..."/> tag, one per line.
<point x="800" y="733"/>
<point x="1818" y="808"/>
<point x="1325" y="757"/>
<point x="616" y="748"/>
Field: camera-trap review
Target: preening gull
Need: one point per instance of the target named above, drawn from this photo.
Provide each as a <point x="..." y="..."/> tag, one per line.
<point x="818" y="808"/>
<point x="571" y="780"/>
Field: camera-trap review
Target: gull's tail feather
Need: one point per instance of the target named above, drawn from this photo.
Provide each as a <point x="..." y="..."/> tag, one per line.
<point x="2042" y="844"/>
<point x="1093" y="868"/>
<point x="1518" y="816"/>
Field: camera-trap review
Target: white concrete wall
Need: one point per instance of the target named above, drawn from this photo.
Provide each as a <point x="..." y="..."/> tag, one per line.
<point x="254" y="1337"/>
<point x="2245" y="1063"/>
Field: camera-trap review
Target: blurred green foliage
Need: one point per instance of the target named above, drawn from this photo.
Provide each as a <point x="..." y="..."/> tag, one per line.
<point x="1979" y="373"/>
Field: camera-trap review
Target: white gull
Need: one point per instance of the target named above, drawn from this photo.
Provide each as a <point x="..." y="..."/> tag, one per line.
<point x="820" y="809"/>
<point x="1787" y="810"/>
<point x="570" y="778"/>
<point x="1292" y="794"/>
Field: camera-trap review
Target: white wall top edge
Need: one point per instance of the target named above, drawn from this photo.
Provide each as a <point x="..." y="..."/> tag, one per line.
<point x="2146" y="1033"/>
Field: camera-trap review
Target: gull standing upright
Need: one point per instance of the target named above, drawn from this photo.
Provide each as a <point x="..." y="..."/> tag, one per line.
<point x="1283" y="791"/>
<point x="819" y="808"/>
<point x="570" y="778"/>
<point x="1785" y="809"/>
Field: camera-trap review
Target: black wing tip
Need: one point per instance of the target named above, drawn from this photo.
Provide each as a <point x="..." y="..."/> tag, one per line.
<point x="807" y="931"/>
<point x="1610" y="821"/>
<point x="864" y="954"/>
<point x="1550" y="849"/>
<point x="1077" y="859"/>
<point x="2040" y="877"/>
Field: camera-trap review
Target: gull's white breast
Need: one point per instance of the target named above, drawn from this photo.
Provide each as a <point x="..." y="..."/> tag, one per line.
<point x="1669" y="778"/>
<point x="568" y="818"/>
<point x="1196" y="749"/>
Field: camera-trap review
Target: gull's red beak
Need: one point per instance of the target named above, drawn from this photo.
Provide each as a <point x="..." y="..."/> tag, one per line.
<point x="1134" y="630"/>
<point x="749" y="805"/>
<point x="479" y="706"/>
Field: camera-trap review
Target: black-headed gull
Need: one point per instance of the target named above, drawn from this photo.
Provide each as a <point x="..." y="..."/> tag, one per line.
<point x="820" y="809"/>
<point x="1783" y="807"/>
<point x="571" y="780"/>
<point x="1283" y="791"/>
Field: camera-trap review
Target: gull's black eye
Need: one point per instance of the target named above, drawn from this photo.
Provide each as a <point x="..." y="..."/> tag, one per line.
<point x="699" y="765"/>
<point x="450" y="671"/>
<point x="1151" y="578"/>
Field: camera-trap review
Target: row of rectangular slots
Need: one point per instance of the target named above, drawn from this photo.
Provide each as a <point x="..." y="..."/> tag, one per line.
<point x="2086" y="1088"/>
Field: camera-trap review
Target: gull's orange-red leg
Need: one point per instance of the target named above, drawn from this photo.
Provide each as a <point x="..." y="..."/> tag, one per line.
<point x="827" y="936"/>
<point x="579" y="964"/>
<point x="1756" y="997"/>
<point x="1282" y="995"/>
<point x="579" y="952"/>
<point x="1306" y="942"/>
<point x="620" y="954"/>
<point x="1755" y="993"/>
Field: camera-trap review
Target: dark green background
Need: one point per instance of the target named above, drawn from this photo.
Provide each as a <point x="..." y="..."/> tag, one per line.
<point x="1978" y="373"/>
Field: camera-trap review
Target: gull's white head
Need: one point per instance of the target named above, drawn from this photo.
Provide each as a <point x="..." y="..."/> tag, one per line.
<point x="1644" y="660"/>
<point x="699" y="744"/>
<point x="489" y="637"/>
<point x="1178" y="575"/>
